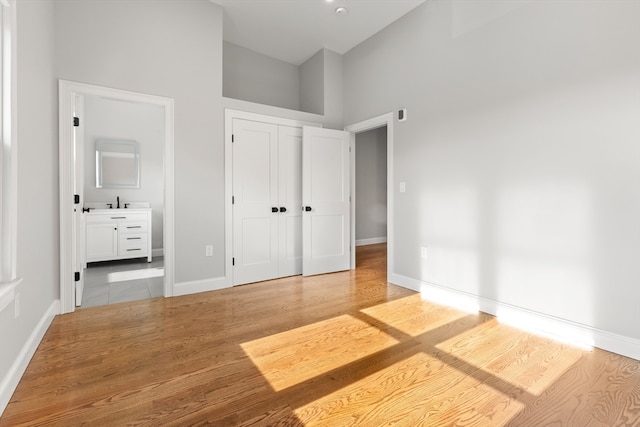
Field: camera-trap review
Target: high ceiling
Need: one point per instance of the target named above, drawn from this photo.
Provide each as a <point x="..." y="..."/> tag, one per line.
<point x="294" y="30"/>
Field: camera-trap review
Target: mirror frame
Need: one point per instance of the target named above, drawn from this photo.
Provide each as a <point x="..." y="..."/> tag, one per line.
<point x="132" y="180"/>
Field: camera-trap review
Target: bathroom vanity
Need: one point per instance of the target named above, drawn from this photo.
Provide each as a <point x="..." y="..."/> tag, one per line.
<point x="113" y="234"/>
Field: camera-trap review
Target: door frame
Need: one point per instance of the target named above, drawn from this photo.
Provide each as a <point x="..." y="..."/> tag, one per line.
<point x="229" y="115"/>
<point x="67" y="91"/>
<point x="363" y="126"/>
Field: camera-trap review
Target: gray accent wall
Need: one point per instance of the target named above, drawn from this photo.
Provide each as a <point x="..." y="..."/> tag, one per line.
<point x="254" y="77"/>
<point x="520" y="153"/>
<point x="38" y="219"/>
<point x="371" y="184"/>
<point x="174" y="52"/>
<point x="312" y="84"/>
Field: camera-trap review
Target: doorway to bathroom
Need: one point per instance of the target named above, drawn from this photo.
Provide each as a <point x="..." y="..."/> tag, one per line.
<point x="117" y="234"/>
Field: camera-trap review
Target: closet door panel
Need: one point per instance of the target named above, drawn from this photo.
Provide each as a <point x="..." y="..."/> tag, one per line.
<point x="326" y="201"/>
<point x="255" y="191"/>
<point x="290" y="196"/>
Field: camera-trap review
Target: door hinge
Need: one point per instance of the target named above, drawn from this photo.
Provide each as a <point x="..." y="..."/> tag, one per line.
<point x="349" y="149"/>
<point x="76" y="121"/>
<point x="76" y="199"/>
<point x="233" y="138"/>
<point x="233" y="261"/>
<point x="76" y="276"/>
<point x="233" y="200"/>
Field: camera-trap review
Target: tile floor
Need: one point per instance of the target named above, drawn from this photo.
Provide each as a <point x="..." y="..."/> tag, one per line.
<point x="120" y="281"/>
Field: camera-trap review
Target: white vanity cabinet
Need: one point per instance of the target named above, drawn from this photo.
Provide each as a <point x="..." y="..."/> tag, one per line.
<point x="113" y="234"/>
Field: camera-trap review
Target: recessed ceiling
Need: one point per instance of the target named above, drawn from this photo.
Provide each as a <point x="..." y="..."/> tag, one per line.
<point x="294" y="30"/>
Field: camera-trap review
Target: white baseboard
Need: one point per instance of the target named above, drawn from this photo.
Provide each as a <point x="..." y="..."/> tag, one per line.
<point x="186" y="288"/>
<point x="10" y="381"/>
<point x="371" y="241"/>
<point x="545" y="324"/>
<point x="157" y="252"/>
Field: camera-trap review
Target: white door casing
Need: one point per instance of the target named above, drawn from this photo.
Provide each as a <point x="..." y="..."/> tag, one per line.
<point x="326" y="204"/>
<point x="78" y="230"/>
<point x="68" y="244"/>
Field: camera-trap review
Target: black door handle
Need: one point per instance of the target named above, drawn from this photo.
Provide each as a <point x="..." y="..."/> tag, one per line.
<point x="283" y="209"/>
<point x="274" y="210"/>
<point x="307" y="208"/>
<point x="85" y="210"/>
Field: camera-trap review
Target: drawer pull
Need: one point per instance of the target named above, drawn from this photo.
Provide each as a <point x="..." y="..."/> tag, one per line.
<point x="129" y="250"/>
<point x="134" y="238"/>
<point x="134" y="226"/>
<point x="118" y="217"/>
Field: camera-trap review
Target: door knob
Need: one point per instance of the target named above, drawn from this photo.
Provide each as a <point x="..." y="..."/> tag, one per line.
<point x="307" y="208"/>
<point x="274" y="210"/>
<point x="283" y="209"/>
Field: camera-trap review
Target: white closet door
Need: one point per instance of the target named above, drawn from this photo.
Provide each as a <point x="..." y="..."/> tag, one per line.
<point x="325" y="197"/>
<point x="255" y="191"/>
<point x="290" y="196"/>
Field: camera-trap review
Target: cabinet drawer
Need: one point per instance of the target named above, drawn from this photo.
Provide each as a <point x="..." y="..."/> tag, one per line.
<point x="133" y="244"/>
<point x="116" y="217"/>
<point x="132" y="227"/>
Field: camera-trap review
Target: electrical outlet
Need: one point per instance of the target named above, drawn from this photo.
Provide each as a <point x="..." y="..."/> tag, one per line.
<point x="16" y="302"/>
<point x="208" y="250"/>
<point x="423" y="252"/>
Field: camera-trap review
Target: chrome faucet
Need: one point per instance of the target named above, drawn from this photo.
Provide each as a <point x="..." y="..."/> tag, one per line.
<point x="118" y="200"/>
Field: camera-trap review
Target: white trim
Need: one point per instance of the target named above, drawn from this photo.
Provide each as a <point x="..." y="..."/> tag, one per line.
<point x="373" y="123"/>
<point x="12" y="378"/>
<point x="196" y="286"/>
<point x="67" y="91"/>
<point x="8" y="292"/>
<point x="371" y="241"/>
<point x="229" y="115"/>
<point x="8" y="144"/>
<point x="550" y="326"/>
<point x="157" y="252"/>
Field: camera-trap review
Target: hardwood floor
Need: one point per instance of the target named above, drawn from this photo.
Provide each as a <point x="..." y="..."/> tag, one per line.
<point x="332" y="350"/>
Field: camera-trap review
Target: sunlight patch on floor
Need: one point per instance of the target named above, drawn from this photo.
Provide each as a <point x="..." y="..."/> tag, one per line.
<point x="424" y="317"/>
<point x="450" y="299"/>
<point x="427" y="391"/>
<point x="548" y="328"/>
<point x="145" y="273"/>
<point x="511" y="356"/>
<point x="295" y="356"/>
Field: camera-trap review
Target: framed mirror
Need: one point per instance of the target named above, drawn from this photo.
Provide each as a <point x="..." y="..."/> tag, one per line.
<point x="117" y="164"/>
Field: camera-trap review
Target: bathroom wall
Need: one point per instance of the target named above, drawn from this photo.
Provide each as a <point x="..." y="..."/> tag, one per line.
<point x="127" y="121"/>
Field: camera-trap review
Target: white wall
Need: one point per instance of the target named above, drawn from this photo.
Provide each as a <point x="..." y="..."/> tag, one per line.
<point x="128" y="121"/>
<point x="371" y="184"/>
<point x="333" y="90"/>
<point x="38" y="219"/>
<point x="169" y="48"/>
<point x="312" y="84"/>
<point x="254" y="77"/>
<point x="520" y="154"/>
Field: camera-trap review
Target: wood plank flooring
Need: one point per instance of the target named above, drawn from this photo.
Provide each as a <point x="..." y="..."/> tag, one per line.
<point x="334" y="350"/>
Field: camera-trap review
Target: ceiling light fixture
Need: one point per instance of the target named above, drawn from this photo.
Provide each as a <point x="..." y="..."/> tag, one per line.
<point x="341" y="11"/>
